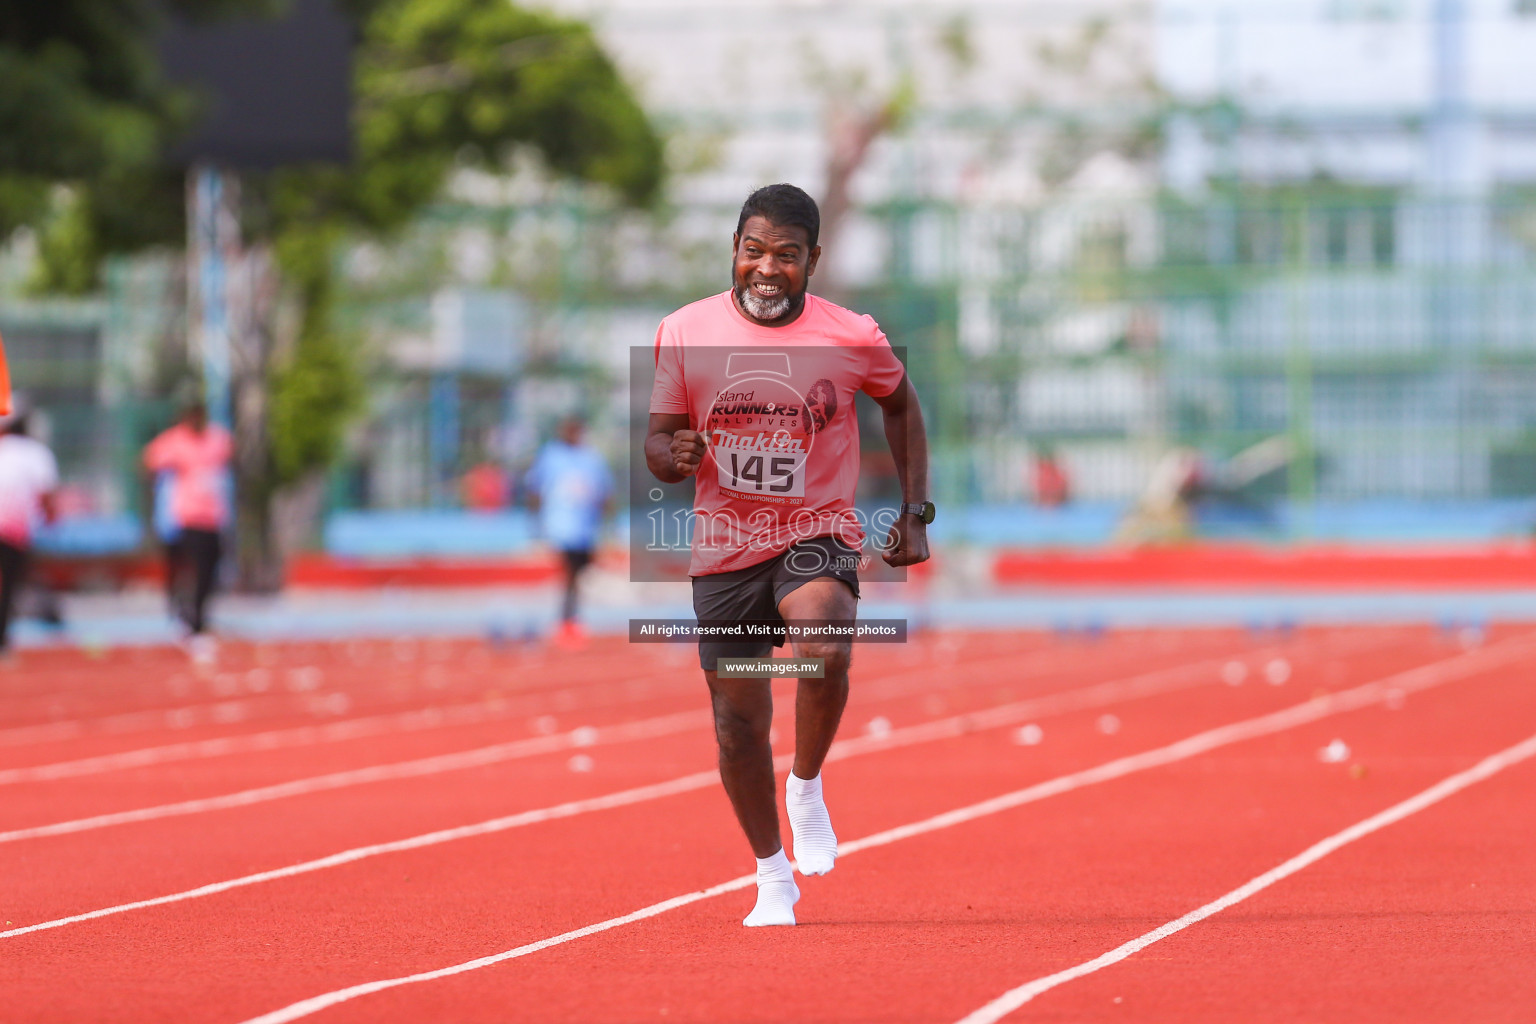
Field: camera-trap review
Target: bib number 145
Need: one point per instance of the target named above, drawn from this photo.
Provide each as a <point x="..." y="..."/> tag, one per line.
<point x="749" y="470"/>
<point x="750" y="475"/>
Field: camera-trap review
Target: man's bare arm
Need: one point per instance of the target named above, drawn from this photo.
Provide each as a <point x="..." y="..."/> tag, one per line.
<point x="907" y="435"/>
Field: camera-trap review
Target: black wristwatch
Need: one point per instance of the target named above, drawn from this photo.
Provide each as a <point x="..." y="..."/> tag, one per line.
<point x="923" y="510"/>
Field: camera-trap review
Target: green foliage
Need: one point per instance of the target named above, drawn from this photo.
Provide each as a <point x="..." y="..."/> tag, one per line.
<point x="67" y="256"/>
<point x="954" y="38"/>
<point x="58" y="126"/>
<point x="86" y="105"/>
<point x="442" y="83"/>
<point x="313" y="393"/>
<point x="439" y="84"/>
<point x="311" y="400"/>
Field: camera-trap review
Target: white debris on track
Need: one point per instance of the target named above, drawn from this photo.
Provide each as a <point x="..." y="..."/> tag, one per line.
<point x="1336" y="752"/>
<point x="1028" y="735"/>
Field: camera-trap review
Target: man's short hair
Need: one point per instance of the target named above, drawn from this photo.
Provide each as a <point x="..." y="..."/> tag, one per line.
<point x="784" y="205"/>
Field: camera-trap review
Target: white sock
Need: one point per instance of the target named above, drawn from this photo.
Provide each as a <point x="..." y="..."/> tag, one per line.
<point x="777" y="893"/>
<point x="815" y="842"/>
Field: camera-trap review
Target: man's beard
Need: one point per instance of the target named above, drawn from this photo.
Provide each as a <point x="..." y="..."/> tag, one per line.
<point x="760" y="308"/>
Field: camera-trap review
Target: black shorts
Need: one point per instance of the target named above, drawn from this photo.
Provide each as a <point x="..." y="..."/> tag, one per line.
<point x="753" y="594"/>
<point x="576" y="559"/>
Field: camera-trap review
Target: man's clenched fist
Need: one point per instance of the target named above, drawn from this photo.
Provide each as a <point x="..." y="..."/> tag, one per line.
<point x="688" y="451"/>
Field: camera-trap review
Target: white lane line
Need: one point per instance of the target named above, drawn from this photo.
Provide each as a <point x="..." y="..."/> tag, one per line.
<point x="276" y="739"/>
<point x="128" y="721"/>
<point x="317" y="1003"/>
<point x="220" y="711"/>
<point x="273" y="739"/>
<point x="663" y="726"/>
<point x="1097" y="695"/>
<point x="500" y="752"/>
<point x="1417" y="679"/>
<point x="640" y="794"/>
<point x="1012" y="1000"/>
<point x="231" y="710"/>
<point x="431" y="717"/>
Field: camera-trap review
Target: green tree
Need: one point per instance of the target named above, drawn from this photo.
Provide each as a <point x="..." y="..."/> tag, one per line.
<point x="439" y="84"/>
<point x="87" y="114"/>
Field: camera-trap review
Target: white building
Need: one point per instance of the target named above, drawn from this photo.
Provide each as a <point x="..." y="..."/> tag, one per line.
<point x="976" y="93"/>
<point x="1019" y="164"/>
<point x="1395" y="311"/>
<point x="1434" y="94"/>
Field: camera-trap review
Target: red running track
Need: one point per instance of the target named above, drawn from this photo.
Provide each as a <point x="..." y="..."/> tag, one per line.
<point x="1433" y="918"/>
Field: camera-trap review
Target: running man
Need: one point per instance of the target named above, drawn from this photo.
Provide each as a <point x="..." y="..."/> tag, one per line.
<point x="29" y="478"/>
<point x="195" y="455"/>
<point x="569" y="485"/>
<point x="754" y="398"/>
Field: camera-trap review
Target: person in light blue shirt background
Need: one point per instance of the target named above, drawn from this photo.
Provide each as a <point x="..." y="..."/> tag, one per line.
<point x="570" y="486"/>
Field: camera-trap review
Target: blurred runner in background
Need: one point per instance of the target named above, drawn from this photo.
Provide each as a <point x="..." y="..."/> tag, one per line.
<point x="485" y="487"/>
<point x="5" y="383"/>
<point x="194" y="454"/>
<point x="1053" y="488"/>
<point x="29" y="477"/>
<point x="1184" y="478"/>
<point x="571" y="489"/>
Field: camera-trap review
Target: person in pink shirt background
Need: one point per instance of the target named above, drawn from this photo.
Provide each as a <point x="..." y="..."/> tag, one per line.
<point x="754" y="399"/>
<point x="194" y="455"/>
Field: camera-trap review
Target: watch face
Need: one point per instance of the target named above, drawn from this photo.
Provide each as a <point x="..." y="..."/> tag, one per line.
<point x="924" y="511"/>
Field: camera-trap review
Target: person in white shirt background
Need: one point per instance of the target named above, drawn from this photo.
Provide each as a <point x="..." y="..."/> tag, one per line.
<point x="29" y="479"/>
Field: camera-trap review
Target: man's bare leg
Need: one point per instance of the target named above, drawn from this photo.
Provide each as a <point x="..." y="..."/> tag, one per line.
<point x="743" y="717"/>
<point x="819" y="707"/>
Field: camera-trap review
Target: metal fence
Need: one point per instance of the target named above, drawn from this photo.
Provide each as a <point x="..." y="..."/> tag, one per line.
<point x="1389" y="342"/>
<point x="1388" y="339"/>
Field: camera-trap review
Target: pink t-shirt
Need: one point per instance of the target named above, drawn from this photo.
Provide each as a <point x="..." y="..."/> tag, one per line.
<point x="196" y="463"/>
<point x="777" y="406"/>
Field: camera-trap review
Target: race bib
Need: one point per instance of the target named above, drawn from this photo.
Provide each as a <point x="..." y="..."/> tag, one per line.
<point x="762" y="430"/>
<point x="762" y="467"/>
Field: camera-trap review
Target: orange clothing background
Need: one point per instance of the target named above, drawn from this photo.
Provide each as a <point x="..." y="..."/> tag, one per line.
<point x="5" y="382"/>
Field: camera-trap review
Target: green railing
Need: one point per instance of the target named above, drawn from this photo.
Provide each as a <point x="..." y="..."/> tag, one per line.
<point x="1391" y="340"/>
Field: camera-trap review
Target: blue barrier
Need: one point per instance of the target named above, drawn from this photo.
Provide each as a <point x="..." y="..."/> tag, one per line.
<point x="441" y="533"/>
<point x="90" y="536"/>
<point x="457" y="534"/>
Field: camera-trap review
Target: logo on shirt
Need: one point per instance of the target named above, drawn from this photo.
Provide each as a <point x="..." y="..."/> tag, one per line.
<point x="821" y="402"/>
